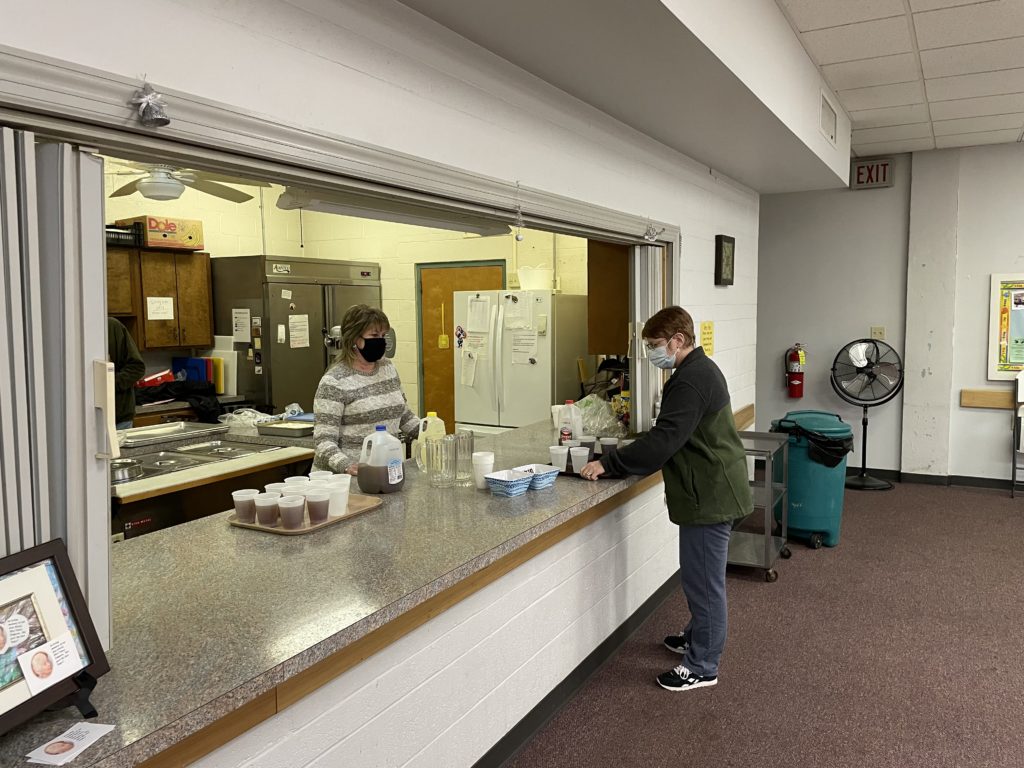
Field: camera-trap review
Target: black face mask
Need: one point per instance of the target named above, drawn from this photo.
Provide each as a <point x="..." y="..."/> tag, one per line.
<point x="373" y="349"/>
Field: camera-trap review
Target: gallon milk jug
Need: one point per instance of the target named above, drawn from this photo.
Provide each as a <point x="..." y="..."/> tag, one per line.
<point x="570" y="422"/>
<point x="429" y="427"/>
<point x="380" y="463"/>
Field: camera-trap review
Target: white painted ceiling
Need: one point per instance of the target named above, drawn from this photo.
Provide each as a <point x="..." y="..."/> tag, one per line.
<point x="638" y="63"/>
<point x="919" y="74"/>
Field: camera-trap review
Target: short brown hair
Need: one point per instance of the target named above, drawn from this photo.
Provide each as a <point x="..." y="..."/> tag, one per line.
<point x="667" y="322"/>
<point x="355" y="323"/>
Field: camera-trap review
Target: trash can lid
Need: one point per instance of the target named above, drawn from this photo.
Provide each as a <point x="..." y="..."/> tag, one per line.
<point x="823" y="422"/>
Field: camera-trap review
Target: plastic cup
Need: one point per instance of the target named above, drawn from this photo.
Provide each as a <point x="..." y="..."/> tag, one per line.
<point x="320" y="474"/>
<point x="339" y="481"/>
<point x="274" y="488"/>
<point x="579" y="456"/>
<point x="589" y="442"/>
<point x="295" y="489"/>
<point x="338" y="505"/>
<point x="608" y="444"/>
<point x="293" y="510"/>
<point x="245" y="504"/>
<point x="559" y="456"/>
<point x="267" y="508"/>
<point x="571" y="443"/>
<point x="318" y="503"/>
<point x="483" y="464"/>
<point x="296" y="480"/>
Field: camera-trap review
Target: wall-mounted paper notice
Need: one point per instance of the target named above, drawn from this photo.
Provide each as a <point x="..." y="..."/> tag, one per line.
<point x="479" y="309"/>
<point x="524" y="347"/>
<point x="298" y="331"/>
<point x="468" y="376"/>
<point x="159" y="308"/>
<point x="241" y="330"/>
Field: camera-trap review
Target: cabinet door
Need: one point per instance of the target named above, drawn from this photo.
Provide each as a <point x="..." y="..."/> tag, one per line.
<point x="195" y="321"/>
<point x="119" y="282"/>
<point x="159" y="282"/>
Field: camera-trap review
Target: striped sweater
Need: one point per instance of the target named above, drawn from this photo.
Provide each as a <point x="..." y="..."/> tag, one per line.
<point x="349" y="404"/>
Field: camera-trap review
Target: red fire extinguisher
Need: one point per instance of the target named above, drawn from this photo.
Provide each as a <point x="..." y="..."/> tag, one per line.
<point x="796" y="359"/>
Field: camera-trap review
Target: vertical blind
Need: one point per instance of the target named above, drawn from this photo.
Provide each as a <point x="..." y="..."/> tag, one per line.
<point x="52" y="326"/>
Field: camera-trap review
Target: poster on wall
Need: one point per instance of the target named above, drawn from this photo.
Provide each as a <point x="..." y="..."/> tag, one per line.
<point x="1006" y="327"/>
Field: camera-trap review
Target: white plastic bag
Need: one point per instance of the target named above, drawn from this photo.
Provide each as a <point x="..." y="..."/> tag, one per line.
<point x="598" y="417"/>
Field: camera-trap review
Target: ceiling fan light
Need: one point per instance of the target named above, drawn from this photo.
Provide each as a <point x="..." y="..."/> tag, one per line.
<point x="160" y="188"/>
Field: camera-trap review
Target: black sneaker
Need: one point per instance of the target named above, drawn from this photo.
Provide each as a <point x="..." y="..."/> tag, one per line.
<point x="682" y="679"/>
<point x="677" y="643"/>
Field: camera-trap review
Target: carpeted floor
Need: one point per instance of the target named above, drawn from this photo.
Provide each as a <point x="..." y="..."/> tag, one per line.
<point x="901" y="647"/>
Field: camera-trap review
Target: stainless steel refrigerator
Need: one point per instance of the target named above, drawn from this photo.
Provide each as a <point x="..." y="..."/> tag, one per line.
<point x="281" y="363"/>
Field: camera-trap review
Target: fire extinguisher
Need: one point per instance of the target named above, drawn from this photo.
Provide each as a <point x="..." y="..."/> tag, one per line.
<point x="796" y="359"/>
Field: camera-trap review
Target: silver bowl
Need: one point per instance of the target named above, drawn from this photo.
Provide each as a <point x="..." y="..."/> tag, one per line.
<point x="125" y="469"/>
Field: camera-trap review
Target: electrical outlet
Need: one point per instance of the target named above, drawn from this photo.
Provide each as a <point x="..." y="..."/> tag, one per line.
<point x="513" y="282"/>
<point x="878" y="332"/>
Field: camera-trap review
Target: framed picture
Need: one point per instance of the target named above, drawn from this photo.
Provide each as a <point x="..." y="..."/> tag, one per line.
<point x="48" y="644"/>
<point x="725" y="259"/>
<point x="1006" y="327"/>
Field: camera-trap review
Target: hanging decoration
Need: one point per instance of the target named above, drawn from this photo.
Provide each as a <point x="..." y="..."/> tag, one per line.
<point x="519" y="216"/>
<point x="150" y="105"/>
<point x="652" y="232"/>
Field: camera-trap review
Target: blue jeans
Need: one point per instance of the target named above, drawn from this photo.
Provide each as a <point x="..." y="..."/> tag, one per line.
<point x="703" y="555"/>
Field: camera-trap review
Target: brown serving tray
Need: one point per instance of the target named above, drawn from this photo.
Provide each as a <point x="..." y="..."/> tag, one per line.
<point x="357" y="505"/>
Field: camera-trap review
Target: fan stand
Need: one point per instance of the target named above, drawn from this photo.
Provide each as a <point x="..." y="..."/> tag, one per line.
<point x="864" y="481"/>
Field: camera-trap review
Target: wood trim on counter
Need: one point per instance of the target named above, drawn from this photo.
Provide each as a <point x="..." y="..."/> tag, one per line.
<point x="744" y="417"/>
<point x="987" y="398"/>
<point x="222" y="731"/>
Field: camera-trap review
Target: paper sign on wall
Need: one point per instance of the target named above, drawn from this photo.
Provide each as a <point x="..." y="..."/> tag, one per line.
<point x="524" y="348"/>
<point x="159" y="308"/>
<point x="298" y="331"/>
<point x="241" y="330"/>
<point x="707" y="337"/>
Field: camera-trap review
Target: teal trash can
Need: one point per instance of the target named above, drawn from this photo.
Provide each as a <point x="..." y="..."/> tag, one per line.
<point x="818" y="444"/>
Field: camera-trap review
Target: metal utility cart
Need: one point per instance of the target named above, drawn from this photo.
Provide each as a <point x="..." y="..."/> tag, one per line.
<point x="769" y="488"/>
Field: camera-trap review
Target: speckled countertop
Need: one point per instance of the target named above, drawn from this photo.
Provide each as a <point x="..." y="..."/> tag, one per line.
<point x="250" y="610"/>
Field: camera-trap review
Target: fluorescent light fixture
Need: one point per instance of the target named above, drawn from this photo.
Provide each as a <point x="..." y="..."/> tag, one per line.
<point x="380" y="209"/>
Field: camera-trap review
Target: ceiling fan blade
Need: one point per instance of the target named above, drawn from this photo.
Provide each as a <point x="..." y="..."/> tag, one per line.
<point x="225" y="179"/>
<point x="858" y="354"/>
<point x="217" y="190"/>
<point x="130" y="188"/>
<point x="856" y="385"/>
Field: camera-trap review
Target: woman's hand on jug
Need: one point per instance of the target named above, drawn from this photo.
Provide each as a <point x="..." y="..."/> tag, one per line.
<point x="353" y="469"/>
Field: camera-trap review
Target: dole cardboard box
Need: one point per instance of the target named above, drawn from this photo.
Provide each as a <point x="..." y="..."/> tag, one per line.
<point x="164" y="232"/>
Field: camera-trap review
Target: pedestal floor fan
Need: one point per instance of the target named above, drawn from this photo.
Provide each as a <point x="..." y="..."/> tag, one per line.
<point x="867" y="372"/>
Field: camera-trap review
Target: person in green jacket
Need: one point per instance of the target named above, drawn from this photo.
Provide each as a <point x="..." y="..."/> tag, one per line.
<point x="696" y="446"/>
<point x="128" y="369"/>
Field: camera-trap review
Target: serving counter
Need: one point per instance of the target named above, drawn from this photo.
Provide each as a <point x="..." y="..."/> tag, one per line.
<point x="217" y="629"/>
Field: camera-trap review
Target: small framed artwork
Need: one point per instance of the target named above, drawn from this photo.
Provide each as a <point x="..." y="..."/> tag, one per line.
<point x="50" y="653"/>
<point x="1006" y="327"/>
<point x="725" y="259"/>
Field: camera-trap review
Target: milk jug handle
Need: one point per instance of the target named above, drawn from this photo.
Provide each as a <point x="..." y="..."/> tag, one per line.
<point x="364" y="455"/>
<point x="422" y="425"/>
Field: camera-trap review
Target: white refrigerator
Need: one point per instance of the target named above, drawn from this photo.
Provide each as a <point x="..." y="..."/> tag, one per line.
<point x="516" y="355"/>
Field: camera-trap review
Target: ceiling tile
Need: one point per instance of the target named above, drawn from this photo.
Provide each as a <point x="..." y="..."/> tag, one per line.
<point x="858" y="41"/>
<point x="981" y="84"/>
<point x="816" y="14"/>
<point x="892" y="133"/>
<point x="882" y="96"/>
<point x="987" y="105"/>
<point x="977" y="57"/>
<point x="975" y="23"/>
<point x="931" y="5"/>
<point x="973" y="139"/>
<point x="881" y="71"/>
<point x="976" y="124"/>
<point x="876" y="118"/>
<point x="893" y="147"/>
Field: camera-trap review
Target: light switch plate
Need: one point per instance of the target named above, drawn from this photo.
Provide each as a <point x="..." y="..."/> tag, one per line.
<point x="513" y="282"/>
<point x="878" y="332"/>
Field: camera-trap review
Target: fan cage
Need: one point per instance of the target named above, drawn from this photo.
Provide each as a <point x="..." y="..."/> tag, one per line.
<point x="878" y="354"/>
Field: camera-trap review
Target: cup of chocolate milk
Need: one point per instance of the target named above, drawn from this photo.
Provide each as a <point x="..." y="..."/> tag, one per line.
<point x="292" y="510"/>
<point x="318" y="504"/>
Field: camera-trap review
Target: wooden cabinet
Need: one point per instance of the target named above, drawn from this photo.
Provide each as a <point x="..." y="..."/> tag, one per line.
<point x="168" y="296"/>
<point x="607" y="298"/>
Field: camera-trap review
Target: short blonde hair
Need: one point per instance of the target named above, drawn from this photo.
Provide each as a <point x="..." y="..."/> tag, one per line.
<point x="357" y="320"/>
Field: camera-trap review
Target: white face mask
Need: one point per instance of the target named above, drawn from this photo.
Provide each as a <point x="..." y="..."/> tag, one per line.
<point x="660" y="357"/>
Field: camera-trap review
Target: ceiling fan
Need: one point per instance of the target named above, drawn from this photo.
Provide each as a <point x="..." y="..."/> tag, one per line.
<point x="165" y="182"/>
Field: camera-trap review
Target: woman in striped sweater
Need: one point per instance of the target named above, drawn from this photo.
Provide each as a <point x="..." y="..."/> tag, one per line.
<point x="358" y="392"/>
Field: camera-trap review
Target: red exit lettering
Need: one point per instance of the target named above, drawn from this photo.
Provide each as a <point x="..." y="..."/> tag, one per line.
<point x="872" y="173"/>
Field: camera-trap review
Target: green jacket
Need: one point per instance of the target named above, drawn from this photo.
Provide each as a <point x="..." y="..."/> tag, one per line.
<point x="128" y="368"/>
<point x="697" y="447"/>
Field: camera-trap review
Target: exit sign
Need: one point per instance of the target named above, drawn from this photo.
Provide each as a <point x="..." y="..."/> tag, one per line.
<point x="867" y="174"/>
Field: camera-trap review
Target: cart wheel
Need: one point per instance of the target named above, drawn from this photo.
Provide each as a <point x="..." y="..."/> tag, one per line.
<point x="771" y="575"/>
<point x="785" y="553"/>
<point x="816" y="540"/>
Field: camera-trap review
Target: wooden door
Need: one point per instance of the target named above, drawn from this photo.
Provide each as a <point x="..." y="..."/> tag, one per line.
<point x="195" y="320"/>
<point x="437" y="284"/>
<point x="120" y="283"/>
<point x="607" y="298"/>
<point x="159" y="281"/>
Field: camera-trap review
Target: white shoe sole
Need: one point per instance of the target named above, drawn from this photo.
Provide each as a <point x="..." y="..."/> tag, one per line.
<point x="701" y="684"/>
<point x="680" y="651"/>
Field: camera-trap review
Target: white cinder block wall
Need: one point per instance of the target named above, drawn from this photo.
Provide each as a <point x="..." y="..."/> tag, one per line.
<point x="445" y="693"/>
